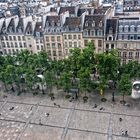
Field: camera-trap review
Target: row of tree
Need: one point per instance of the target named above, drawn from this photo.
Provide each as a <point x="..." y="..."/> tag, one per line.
<point x="84" y="70"/>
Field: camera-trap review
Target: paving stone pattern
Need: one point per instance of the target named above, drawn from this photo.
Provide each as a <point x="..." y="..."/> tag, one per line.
<point x="39" y="118"/>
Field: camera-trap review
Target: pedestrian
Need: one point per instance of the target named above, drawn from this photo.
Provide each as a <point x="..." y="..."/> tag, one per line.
<point x="120" y="119"/>
<point x="95" y="106"/>
<point x="122" y="133"/>
<point x="126" y="134"/>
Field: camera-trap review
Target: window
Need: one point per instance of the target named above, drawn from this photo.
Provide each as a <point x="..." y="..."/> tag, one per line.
<point x="12" y="45"/>
<point x="119" y="54"/>
<point x="138" y="37"/>
<point x="9" y="51"/>
<point x="3" y="44"/>
<point x="53" y="45"/>
<point x="79" y="44"/>
<point x="137" y="55"/>
<point x="126" y="28"/>
<point x="37" y="47"/>
<point x="5" y="51"/>
<point x="124" y="61"/>
<point x="47" y="39"/>
<point x="52" y="38"/>
<point x="120" y="37"/>
<point x="10" y="38"/>
<point x="112" y="46"/>
<point x="107" y="46"/>
<point x="19" y="38"/>
<point x="92" y="33"/>
<point x="124" y="54"/>
<point x="66" y="44"/>
<point x="60" y="53"/>
<point x="65" y="36"/>
<point x="110" y="30"/>
<point x="132" y="37"/>
<point x="49" y="52"/>
<point x="125" y="45"/>
<point x="100" y="33"/>
<point x="48" y="45"/>
<point x="70" y="44"/>
<point x="138" y="28"/>
<point x="59" y="45"/>
<point x="125" y="37"/>
<point x="120" y="28"/>
<point x="75" y="44"/>
<point x="25" y="45"/>
<point x="20" y="44"/>
<point x="42" y="47"/>
<point x="100" y="24"/>
<point x="110" y="38"/>
<point x="85" y="32"/>
<point x="86" y="42"/>
<point x="69" y="37"/>
<point x="86" y="23"/>
<point x="8" y="45"/>
<point x="93" y="23"/>
<point x="58" y="38"/>
<point x="30" y="46"/>
<point x="99" y="43"/>
<point x="16" y="45"/>
<point x="41" y="40"/>
<point x="14" y="37"/>
<point x="130" y="55"/>
<point x="132" y="28"/>
<point x="79" y="36"/>
<point x="54" y="53"/>
<point x="23" y="38"/>
<point x="74" y="37"/>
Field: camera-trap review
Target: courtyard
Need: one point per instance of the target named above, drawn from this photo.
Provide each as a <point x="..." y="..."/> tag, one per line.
<point x="28" y="117"/>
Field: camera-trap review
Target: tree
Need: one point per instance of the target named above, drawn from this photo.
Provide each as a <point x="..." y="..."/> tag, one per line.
<point x="49" y="79"/>
<point x="125" y="85"/>
<point x="101" y="86"/>
<point x="66" y="81"/>
<point x="85" y="80"/>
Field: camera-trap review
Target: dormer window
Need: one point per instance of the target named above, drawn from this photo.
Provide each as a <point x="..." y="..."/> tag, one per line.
<point x="126" y="28"/>
<point x="110" y="30"/>
<point x="58" y="24"/>
<point x="76" y="29"/>
<point x="120" y="28"/>
<point x="37" y="34"/>
<point x="86" y="23"/>
<point x="100" y="24"/>
<point x="52" y="23"/>
<point x="93" y="23"/>
<point x="138" y="28"/>
<point x="47" y="23"/>
<point x="132" y="28"/>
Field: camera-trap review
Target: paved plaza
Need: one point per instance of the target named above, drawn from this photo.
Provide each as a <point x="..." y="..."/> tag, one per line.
<point x="38" y="118"/>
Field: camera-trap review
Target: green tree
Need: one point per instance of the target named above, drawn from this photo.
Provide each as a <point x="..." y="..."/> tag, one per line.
<point x="125" y="85"/>
<point x="66" y="81"/>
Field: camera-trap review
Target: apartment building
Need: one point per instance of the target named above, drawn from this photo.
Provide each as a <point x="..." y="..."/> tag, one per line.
<point x="72" y="34"/>
<point x="128" y="39"/>
<point x="53" y="39"/>
<point x="110" y="41"/>
<point x="93" y="31"/>
<point x="12" y="36"/>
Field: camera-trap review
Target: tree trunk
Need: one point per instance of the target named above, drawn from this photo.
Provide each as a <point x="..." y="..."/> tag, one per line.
<point x="12" y="88"/>
<point x="5" y="86"/>
<point x="123" y="97"/>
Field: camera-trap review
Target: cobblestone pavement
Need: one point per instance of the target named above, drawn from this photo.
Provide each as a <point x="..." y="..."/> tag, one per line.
<point x="39" y="118"/>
